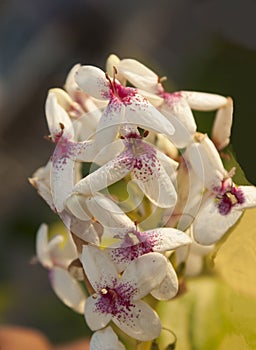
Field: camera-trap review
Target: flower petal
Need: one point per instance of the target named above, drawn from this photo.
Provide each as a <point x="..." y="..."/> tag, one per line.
<point x="179" y="114"/>
<point x="203" y="101"/>
<point x="42" y="249"/>
<point x="110" y="122"/>
<point x="99" y="269"/>
<point x="109" y="214"/>
<point x="141" y="113"/>
<point x="155" y="183"/>
<point x="145" y="273"/>
<point x="168" y="288"/>
<point x="57" y="117"/>
<point x="138" y="74"/>
<point x="222" y="125"/>
<point x="106" y="175"/>
<point x="105" y="339"/>
<point x="68" y="289"/>
<point x="249" y="196"/>
<point x="92" y="80"/>
<point x="209" y="225"/>
<point x="166" y="238"/>
<point x="76" y="204"/>
<point x="206" y="162"/>
<point x="62" y="179"/>
<point x="95" y="319"/>
<point x="141" y="322"/>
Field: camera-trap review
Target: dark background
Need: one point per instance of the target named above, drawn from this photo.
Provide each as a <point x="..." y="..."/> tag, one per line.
<point x="207" y="45"/>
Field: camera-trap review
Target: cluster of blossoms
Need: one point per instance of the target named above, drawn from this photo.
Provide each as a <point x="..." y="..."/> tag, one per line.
<point x="139" y="189"/>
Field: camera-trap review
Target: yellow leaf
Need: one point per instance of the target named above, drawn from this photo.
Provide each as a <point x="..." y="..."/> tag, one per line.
<point x="234" y="341"/>
<point x="235" y="260"/>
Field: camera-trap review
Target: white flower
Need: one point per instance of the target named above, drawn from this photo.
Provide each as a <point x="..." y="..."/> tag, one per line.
<point x="172" y="105"/>
<point x="223" y="202"/>
<point x="136" y="243"/>
<point x="56" y="255"/>
<point x="118" y="298"/>
<point x="149" y="168"/>
<point x="67" y="150"/>
<point x="175" y="106"/>
<point x="125" y="106"/>
<point x="105" y="339"/>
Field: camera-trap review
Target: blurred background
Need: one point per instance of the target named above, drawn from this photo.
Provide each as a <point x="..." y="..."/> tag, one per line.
<point x="203" y="45"/>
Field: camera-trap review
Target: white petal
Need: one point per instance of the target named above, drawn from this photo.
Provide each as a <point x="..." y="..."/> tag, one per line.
<point x="55" y="116"/>
<point x="203" y="101"/>
<point x="181" y="117"/>
<point x="166" y="238"/>
<point x="106" y="175"/>
<point x="154" y="99"/>
<point x="84" y="151"/>
<point x="209" y="225"/>
<point x="138" y="74"/>
<point x="222" y="125"/>
<point x="168" y="287"/>
<point x="157" y="186"/>
<point x="145" y="273"/>
<point x="140" y="112"/>
<point x="42" y="250"/>
<point x="206" y="162"/>
<point x="99" y="269"/>
<point x="87" y="231"/>
<point x="141" y="322"/>
<point x="108" y="213"/>
<point x="62" y="178"/>
<point x="76" y="204"/>
<point x="111" y="66"/>
<point x="95" y="319"/>
<point x="68" y="289"/>
<point x="92" y="80"/>
<point x="250" y="197"/>
<point x="169" y="164"/>
<point x="70" y="85"/>
<point x="105" y="339"/>
<point x="109" y="124"/>
<point x="108" y="152"/>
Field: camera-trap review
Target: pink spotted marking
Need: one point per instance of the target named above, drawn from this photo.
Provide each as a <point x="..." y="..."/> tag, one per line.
<point x="228" y="196"/>
<point x="171" y="98"/>
<point x="116" y="300"/>
<point x="64" y="150"/>
<point x="140" y="158"/>
<point x="130" y="251"/>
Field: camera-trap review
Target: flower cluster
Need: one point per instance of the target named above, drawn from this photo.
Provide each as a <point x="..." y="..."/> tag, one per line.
<point x="139" y="189"/>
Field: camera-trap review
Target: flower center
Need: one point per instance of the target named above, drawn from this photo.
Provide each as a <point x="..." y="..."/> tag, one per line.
<point x="229" y="197"/>
<point x="116" y="300"/>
